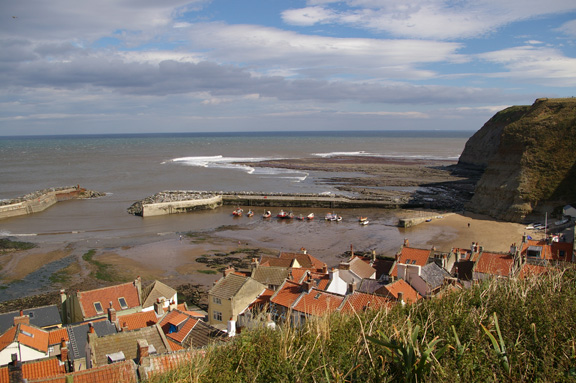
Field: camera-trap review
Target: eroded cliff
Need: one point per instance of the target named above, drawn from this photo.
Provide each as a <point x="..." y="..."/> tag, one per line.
<point x="529" y="157"/>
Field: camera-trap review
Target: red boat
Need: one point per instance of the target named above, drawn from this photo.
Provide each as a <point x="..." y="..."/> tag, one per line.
<point x="238" y="212"/>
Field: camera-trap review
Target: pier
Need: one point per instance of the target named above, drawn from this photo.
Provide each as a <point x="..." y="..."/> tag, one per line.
<point x="174" y="202"/>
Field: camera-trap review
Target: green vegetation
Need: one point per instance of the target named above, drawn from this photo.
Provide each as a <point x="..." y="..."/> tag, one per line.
<point x="61" y="276"/>
<point x="9" y="245"/>
<point x="104" y="271"/>
<point x="208" y="271"/>
<point x="500" y="330"/>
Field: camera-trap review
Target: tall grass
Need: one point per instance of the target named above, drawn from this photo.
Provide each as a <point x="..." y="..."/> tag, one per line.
<point x="533" y="321"/>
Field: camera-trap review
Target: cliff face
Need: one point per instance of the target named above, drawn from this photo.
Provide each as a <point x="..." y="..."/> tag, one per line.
<point x="529" y="157"/>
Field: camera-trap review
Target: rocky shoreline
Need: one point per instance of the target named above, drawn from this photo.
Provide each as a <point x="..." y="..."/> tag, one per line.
<point x="433" y="184"/>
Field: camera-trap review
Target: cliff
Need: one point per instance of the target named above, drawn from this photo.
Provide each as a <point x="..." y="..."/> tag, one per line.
<point x="529" y="157"/>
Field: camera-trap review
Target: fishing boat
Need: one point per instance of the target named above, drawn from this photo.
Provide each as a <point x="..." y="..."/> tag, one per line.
<point x="300" y="217"/>
<point x="238" y="212"/>
<point x="267" y="214"/>
<point x="362" y="219"/>
<point x="282" y="214"/>
<point x="365" y="222"/>
<point x="329" y="217"/>
<point x="310" y="216"/>
<point x="250" y="213"/>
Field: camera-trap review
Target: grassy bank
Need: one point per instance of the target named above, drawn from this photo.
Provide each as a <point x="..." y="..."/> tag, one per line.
<point x="502" y="330"/>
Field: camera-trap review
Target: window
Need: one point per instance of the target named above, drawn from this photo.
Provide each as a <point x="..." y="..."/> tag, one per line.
<point x="217" y="316"/>
<point x="98" y="307"/>
<point x="318" y="296"/>
<point x="414" y="262"/>
<point x="216" y="300"/>
<point x="123" y="303"/>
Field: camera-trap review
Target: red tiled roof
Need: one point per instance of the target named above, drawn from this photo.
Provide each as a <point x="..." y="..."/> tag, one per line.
<point x="160" y="364"/>
<point x="494" y="264"/>
<point x="286" y="259"/>
<point x="106" y="295"/>
<point x="287" y="294"/>
<point x="262" y="299"/>
<point x="401" y="286"/>
<point x="412" y="256"/>
<point x="55" y="336"/>
<point x="551" y="251"/>
<point x="176" y="318"/>
<point x="36" y="369"/>
<point x="318" y="302"/>
<point x="174" y="346"/>
<point x="8" y="337"/>
<point x="359" y="302"/>
<point x="138" y="320"/>
<point x="124" y="372"/>
<point x="529" y="270"/>
<point x="38" y="339"/>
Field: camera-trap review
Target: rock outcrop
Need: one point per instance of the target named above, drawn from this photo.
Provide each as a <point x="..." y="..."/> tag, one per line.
<point x="529" y="157"/>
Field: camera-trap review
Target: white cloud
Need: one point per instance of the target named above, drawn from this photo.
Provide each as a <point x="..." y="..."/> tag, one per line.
<point x="536" y="65"/>
<point x="430" y="19"/>
<point x="568" y="28"/>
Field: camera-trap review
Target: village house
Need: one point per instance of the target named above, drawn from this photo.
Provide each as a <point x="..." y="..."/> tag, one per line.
<point x="184" y="331"/>
<point x="360" y="302"/>
<point x="27" y="341"/>
<point x="80" y="306"/>
<point x="153" y="365"/>
<point x="348" y="276"/>
<point x="45" y="317"/>
<point x="125" y="345"/>
<point x="294" y="261"/>
<point x="428" y="280"/>
<point x="230" y="296"/>
<point x="400" y="291"/>
<point x="17" y="371"/>
<point x="158" y="292"/>
<point x="410" y="256"/>
<point x="78" y="340"/>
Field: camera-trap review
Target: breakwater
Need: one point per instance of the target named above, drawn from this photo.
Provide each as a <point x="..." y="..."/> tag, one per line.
<point x="41" y="200"/>
<point x="173" y="202"/>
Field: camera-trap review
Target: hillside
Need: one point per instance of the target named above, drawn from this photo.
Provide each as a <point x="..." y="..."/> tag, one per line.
<point x="500" y="330"/>
<point x="529" y="157"/>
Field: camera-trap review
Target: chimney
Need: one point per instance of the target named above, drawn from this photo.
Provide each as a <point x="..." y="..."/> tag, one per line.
<point x="231" y="327"/>
<point x="158" y="307"/>
<point x="15" y="370"/>
<point x="22" y="319"/>
<point x="63" y="350"/>
<point x="351" y="251"/>
<point x="142" y="351"/>
<point x="254" y="264"/>
<point x="333" y="273"/>
<point x="138" y="284"/>
<point x="401" y="298"/>
<point x="172" y="305"/>
<point x="111" y="313"/>
<point x="373" y="256"/>
<point x="62" y="296"/>
<point x="91" y="328"/>
<point x="307" y="285"/>
<point x="303" y="250"/>
<point x="324" y="269"/>
<point x="228" y="270"/>
<point x="344" y="266"/>
<point x="124" y="327"/>
<point x="351" y="287"/>
<point x="406" y="243"/>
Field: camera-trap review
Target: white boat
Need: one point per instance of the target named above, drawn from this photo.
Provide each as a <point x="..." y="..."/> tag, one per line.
<point x="310" y="216"/>
<point x="365" y="222"/>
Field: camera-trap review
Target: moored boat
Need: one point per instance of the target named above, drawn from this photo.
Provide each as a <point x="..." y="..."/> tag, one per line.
<point x="310" y="216"/>
<point x="267" y="214"/>
<point x="238" y="212"/>
<point x="250" y="213"/>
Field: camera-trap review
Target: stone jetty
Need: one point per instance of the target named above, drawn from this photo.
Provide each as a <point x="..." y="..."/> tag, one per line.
<point x="182" y="201"/>
<point x="42" y="200"/>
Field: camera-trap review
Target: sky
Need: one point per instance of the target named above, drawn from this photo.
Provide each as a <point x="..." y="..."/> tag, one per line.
<point x="143" y="66"/>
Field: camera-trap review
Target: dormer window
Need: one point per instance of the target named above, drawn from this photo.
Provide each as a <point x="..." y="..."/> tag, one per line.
<point x="123" y="303"/>
<point x="98" y="308"/>
<point x="318" y="296"/>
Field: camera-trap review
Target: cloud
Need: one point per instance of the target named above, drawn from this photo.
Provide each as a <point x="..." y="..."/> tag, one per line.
<point x="536" y="65"/>
<point x="432" y="19"/>
<point x="568" y="28"/>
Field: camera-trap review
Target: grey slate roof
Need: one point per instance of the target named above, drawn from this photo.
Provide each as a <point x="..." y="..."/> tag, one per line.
<point x="126" y="342"/>
<point x="78" y="336"/>
<point x="433" y="275"/>
<point x="361" y="268"/>
<point x="45" y="316"/>
<point x="154" y="291"/>
<point x="228" y="286"/>
<point x="370" y="286"/>
<point x="202" y="335"/>
<point x="270" y="275"/>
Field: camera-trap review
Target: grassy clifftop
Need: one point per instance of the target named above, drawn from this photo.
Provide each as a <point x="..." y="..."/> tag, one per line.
<point x="502" y="330"/>
<point x="529" y="156"/>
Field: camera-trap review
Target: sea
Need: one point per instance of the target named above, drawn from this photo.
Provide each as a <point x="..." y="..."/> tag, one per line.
<point x="131" y="167"/>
